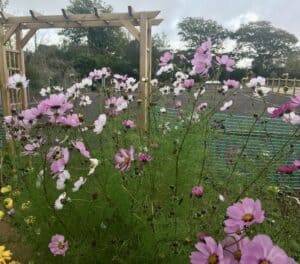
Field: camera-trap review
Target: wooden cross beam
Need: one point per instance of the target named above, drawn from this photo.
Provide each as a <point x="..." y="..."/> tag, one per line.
<point x="132" y="29"/>
<point x="27" y="37"/>
<point x="12" y="29"/>
<point x="79" y="17"/>
<point x="84" y="24"/>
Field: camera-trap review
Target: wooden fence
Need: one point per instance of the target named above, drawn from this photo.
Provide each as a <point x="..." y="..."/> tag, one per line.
<point x="284" y="86"/>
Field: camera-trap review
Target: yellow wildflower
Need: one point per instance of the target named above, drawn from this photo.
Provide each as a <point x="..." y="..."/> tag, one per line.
<point x="29" y="220"/>
<point x="5" y="255"/>
<point x="2" y="214"/>
<point x="25" y="205"/>
<point x="16" y="193"/>
<point x="8" y="203"/>
<point x="5" y="189"/>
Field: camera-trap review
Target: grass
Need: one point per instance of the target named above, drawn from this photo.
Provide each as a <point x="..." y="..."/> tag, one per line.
<point x="144" y="216"/>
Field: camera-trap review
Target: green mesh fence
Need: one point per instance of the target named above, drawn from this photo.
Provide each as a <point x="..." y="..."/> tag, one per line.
<point x="269" y="137"/>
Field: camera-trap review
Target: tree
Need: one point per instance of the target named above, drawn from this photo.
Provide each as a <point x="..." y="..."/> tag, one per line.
<point x="106" y="39"/>
<point x="267" y="45"/>
<point x="194" y="31"/>
<point x="3" y="5"/>
<point x="292" y="66"/>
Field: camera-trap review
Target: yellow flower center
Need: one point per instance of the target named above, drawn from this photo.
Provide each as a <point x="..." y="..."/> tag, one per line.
<point x="237" y="254"/>
<point x="58" y="156"/>
<point x="213" y="259"/>
<point x="264" y="261"/>
<point x="61" y="245"/>
<point x="248" y="217"/>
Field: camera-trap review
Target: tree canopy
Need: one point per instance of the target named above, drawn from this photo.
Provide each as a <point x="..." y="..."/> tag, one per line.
<point x="267" y="45"/>
<point x="194" y="31"/>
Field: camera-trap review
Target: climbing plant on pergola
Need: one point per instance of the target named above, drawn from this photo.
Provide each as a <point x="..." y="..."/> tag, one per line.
<point x="139" y="24"/>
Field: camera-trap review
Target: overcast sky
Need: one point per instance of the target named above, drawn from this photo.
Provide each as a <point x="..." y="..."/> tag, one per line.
<point x="231" y="13"/>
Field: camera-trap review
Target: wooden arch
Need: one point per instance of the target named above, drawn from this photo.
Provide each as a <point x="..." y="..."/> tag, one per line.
<point x="12" y="61"/>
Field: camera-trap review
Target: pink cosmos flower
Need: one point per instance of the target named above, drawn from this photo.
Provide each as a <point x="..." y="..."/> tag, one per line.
<point x="124" y="158"/>
<point x="58" y="157"/>
<point x="282" y="109"/>
<point x="202" y="58"/>
<point x="201" y="107"/>
<point x="262" y="251"/>
<point x="167" y="56"/>
<point x="99" y="74"/>
<point x="243" y="214"/>
<point x="197" y="191"/>
<point x="115" y="105"/>
<point x="287" y="169"/>
<point x="231" y="84"/>
<point x="201" y="236"/>
<point x="144" y="157"/>
<point x="82" y="149"/>
<point x="178" y="104"/>
<point x="30" y="148"/>
<point x="209" y="252"/>
<point x="188" y="83"/>
<point x="226" y="61"/>
<point x="68" y="120"/>
<point x="233" y="247"/>
<point x="56" y="105"/>
<point x="128" y="124"/>
<point x="30" y="116"/>
<point x="58" y="245"/>
<point x="182" y="57"/>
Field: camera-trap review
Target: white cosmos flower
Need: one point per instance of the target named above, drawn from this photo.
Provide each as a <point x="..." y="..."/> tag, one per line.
<point x="40" y="178"/>
<point x="130" y="98"/>
<point x="254" y="82"/>
<point x="154" y="82"/>
<point x="100" y="123"/>
<point x="261" y="91"/>
<point x="93" y="165"/>
<point x="165" y="90"/>
<point x="86" y="82"/>
<point x="78" y="184"/>
<point x="199" y="93"/>
<point x="226" y="105"/>
<point x="17" y="81"/>
<point x="180" y="76"/>
<point x="62" y="177"/>
<point x="61" y="200"/>
<point x="58" y="88"/>
<point x="85" y="100"/>
<point x="167" y="68"/>
<point x="163" y="110"/>
<point x="221" y="198"/>
<point x="291" y="118"/>
<point x="178" y="90"/>
<point x="45" y="91"/>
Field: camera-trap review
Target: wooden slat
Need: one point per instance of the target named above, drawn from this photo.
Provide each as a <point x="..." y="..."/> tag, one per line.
<point x="131" y="28"/>
<point x="81" y="17"/>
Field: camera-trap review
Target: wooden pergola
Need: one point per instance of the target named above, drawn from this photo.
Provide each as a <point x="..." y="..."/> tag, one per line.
<point x="139" y="24"/>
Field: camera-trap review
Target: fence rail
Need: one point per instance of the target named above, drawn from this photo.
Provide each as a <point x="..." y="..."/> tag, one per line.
<point x="284" y="86"/>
